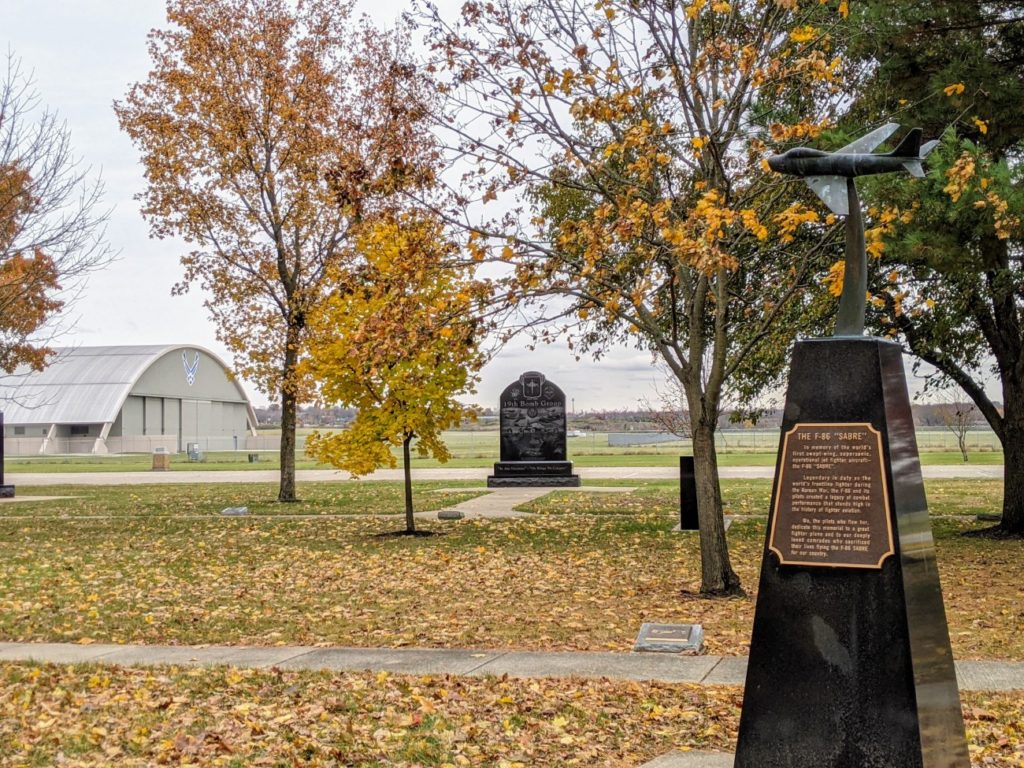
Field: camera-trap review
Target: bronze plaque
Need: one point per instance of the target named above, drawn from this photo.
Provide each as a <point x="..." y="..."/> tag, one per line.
<point x="832" y="502"/>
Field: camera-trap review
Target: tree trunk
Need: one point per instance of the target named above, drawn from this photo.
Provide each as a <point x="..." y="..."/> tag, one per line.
<point x="1013" y="475"/>
<point x="717" y="576"/>
<point x="962" y="440"/>
<point x="289" y="408"/>
<point x="410" y="520"/>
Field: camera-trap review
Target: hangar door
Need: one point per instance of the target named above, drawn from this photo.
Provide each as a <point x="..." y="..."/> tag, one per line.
<point x="195" y="418"/>
<point x="215" y="425"/>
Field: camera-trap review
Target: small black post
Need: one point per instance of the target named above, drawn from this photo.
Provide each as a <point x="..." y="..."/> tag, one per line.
<point x="6" y="491"/>
<point x="688" y="513"/>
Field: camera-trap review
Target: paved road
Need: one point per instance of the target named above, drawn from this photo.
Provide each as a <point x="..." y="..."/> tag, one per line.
<point x="443" y="473"/>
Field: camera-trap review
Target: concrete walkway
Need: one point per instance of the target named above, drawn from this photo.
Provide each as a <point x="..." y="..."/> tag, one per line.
<point x="704" y="670"/>
<point x="692" y="760"/>
<point x="500" y="503"/>
<point x="442" y="473"/>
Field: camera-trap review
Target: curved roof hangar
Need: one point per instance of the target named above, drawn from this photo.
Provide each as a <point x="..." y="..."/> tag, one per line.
<point x="90" y="384"/>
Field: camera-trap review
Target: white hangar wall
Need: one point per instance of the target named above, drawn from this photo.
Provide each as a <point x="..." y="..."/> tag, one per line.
<point x="126" y="400"/>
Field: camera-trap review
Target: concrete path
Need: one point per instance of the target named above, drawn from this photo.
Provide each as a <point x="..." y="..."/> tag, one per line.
<point x="692" y="760"/>
<point x="21" y="499"/>
<point x="500" y="503"/>
<point x="704" y="670"/>
<point x="330" y="475"/>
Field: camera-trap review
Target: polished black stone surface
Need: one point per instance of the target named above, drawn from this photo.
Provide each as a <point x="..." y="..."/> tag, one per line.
<point x="852" y="668"/>
<point x="688" y="519"/>
<point x="521" y="468"/>
<point x="534" y="481"/>
<point x="532" y="420"/>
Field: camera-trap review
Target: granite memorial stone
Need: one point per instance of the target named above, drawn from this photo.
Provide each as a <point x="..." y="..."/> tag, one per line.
<point x="850" y="661"/>
<point x="532" y="431"/>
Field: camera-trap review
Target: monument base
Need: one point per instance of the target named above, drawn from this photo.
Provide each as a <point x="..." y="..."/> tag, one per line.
<point x="533" y="474"/>
<point x="6" y="491"/>
<point x="532" y="468"/>
<point x="542" y="481"/>
<point x="850" y="660"/>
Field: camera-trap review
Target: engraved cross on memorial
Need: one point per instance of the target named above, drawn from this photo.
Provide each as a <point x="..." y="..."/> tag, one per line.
<point x="850" y="661"/>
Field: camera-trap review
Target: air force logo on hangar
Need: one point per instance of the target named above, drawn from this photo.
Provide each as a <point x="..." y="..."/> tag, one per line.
<point x="190" y="368"/>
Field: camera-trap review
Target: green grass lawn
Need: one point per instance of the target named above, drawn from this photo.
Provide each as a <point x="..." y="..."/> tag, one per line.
<point x="166" y="568"/>
<point x="752" y="497"/>
<point x="369" y="497"/>
<point x="270" y="461"/>
<point x="480" y="450"/>
<point x="158" y="564"/>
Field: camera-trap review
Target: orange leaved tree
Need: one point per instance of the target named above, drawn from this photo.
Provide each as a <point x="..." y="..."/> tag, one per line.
<point x="51" y="235"/>
<point x="268" y="129"/>
<point x="398" y="339"/>
<point x="632" y="137"/>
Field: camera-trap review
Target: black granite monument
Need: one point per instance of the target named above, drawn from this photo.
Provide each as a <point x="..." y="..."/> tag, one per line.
<point x="850" y="661"/>
<point x="6" y="491"/>
<point x="532" y="428"/>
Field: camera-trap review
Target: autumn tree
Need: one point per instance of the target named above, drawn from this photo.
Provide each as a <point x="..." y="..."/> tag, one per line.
<point x="398" y="339"/>
<point x="268" y="129"/>
<point x="950" y="246"/>
<point x="626" y="141"/>
<point x="51" y="233"/>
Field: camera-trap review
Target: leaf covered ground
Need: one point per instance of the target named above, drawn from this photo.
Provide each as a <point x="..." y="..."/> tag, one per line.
<point x="585" y="578"/>
<point x="91" y="716"/>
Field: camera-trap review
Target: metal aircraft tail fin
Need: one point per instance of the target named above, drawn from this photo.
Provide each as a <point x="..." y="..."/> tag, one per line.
<point x="910" y="146"/>
<point x="914" y="168"/>
<point x="913" y="165"/>
<point x="832" y="191"/>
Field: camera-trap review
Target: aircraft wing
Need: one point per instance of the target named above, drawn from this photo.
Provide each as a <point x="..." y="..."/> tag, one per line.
<point x="832" y="191"/>
<point x="869" y="141"/>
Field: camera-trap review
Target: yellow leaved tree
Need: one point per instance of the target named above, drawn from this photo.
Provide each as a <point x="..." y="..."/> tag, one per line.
<point x="397" y="339"/>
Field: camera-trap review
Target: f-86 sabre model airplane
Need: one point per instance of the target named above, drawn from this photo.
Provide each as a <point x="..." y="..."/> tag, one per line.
<point x="826" y="172"/>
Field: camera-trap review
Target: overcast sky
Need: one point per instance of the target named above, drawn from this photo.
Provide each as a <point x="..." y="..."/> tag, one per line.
<point x="83" y="55"/>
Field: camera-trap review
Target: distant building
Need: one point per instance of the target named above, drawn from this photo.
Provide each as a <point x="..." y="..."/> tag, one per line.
<point x="125" y="400"/>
